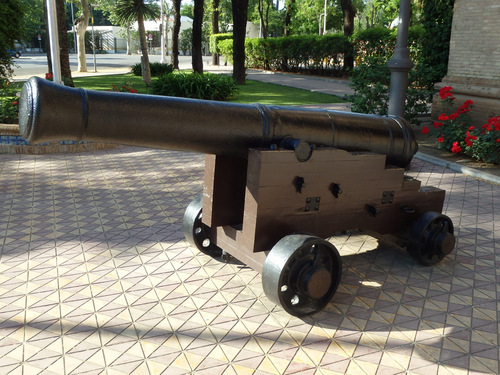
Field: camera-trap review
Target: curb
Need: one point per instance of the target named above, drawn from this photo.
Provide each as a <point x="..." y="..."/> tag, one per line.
<point x="459" y="168"/>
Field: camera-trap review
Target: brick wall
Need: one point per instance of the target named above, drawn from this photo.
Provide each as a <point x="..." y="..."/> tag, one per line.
<point x="475" y="44"/>
<point x="474" y="61"/>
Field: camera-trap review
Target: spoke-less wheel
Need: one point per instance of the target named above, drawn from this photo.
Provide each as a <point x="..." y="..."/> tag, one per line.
<point x="197" y="233"/>
<point x="431" y="238"/>
<point x="301" y="273"/>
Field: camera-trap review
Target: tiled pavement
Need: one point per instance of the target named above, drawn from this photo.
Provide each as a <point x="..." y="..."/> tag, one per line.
<point x="96" y="278"/>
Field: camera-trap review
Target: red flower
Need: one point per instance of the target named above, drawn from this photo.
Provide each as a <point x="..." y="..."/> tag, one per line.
<point x="425" y="130"/>
<point x="133" y="91"/>
<point x="498" y="140"/>
<point x="49" y="76"/>
<point x="456" y="148"/>
<point x="454" y="116"/>
<point x="445" y="92"/>
<point x="440" y="139"/>
<point x="437" y="124"/>
<point x="443" y="117"/>
<point x="487" y="127"/>
<point x="15" y="103"/>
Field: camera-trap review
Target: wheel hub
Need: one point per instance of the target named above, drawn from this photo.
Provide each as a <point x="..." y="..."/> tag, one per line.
<point x="444" y="243"/>
<point x="317" y="282"/>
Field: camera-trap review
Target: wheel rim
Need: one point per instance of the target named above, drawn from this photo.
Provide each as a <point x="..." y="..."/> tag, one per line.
<point x="197" y="233"/>
<point x="432" y="238"/>
<point x="301" y="274"/>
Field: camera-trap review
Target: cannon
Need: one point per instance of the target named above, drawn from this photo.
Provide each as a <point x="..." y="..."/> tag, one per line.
<point x="278" y="182"/>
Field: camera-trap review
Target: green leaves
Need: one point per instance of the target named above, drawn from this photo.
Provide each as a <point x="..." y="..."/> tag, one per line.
<point x="129" y="10"/>
<point x="206" y="86"/>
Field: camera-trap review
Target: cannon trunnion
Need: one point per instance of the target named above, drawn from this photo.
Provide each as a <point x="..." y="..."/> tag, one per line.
<point x="278" y="180"/>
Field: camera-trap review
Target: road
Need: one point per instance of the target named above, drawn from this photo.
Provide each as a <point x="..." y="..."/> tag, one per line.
<point x="32" y="64"/>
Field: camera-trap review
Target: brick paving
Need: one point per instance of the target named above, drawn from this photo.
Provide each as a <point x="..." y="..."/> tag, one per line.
<point x="96" y="278"/>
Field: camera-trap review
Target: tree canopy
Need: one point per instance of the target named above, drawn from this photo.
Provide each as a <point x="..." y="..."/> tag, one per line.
<point x="10" y="31"/>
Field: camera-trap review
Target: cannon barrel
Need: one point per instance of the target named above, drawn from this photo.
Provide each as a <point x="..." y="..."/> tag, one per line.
<point x="50" y="112"/>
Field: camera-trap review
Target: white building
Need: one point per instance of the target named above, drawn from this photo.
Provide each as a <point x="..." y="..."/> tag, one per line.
<point x="113" y="39"/>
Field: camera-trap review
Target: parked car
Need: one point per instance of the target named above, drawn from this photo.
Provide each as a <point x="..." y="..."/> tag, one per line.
<point x="14" y="53"/>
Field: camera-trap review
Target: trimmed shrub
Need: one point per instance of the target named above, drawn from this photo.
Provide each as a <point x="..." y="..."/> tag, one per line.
<point x="322" y="55"/>
<point x="206" y="86"/>
<point x="215" y="39"/>
<point x="157" y="69"/>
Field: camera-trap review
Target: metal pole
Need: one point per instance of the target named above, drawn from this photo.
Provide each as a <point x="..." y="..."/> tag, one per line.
<point x="54" y="41"/>
<point x="400" y="64"/>
<point x="73" y="28"/>
<point x="162" y="32"/>
<point x="93" y="37"/>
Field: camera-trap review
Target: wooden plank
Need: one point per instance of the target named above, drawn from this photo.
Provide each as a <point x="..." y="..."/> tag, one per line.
<point x="224" y="190"/>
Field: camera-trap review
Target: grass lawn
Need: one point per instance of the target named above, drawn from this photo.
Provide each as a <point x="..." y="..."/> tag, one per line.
<point x="251" y="92"/>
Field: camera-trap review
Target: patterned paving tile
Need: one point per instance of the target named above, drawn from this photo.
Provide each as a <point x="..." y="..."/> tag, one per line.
<point x="96" y="278"/>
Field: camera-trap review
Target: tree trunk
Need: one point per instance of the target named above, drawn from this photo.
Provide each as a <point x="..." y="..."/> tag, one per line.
<point x="63" y="43"/>
<point x="175" y="33"/>
<point x="288" y="17"/>
<point x="240" y="11"/>
<point x="197" y="59"/>
<point x="349" y="15"/>
<point x="81" y="24"/>
<point x="129" y="40"/>
<point x="215" y="28"/>
<point x="146" y="70"/>
<point x="263" y="23"/>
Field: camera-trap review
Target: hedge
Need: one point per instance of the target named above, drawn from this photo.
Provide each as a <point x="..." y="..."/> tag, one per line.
<point x="319" y="54"/>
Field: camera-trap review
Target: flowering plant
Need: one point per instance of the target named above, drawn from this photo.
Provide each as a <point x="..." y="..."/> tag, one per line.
<point x="65" y="80"/>
<point x="123" y="88"/>
<point x="484" y="143"/>
<point x="9" y="102"/>
<point x="454" y="132"/>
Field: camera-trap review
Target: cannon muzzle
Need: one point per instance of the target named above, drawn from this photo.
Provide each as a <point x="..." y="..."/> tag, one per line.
<point x="50" y="112"/>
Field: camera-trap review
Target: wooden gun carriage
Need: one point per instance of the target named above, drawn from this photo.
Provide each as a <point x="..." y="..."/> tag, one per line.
<point x="278" y="181"/>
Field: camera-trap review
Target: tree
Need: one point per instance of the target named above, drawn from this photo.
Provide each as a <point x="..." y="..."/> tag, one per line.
<point x="437" y="21"/>
<point x="197" y="58"/>
<point x="215" y="27"/>
<point x="349" y="14"/>
<point x="288" y="16"/>
<point x="9" y="31"/>
<point x="175" y="33"/>
<point x="63" y="42"/>
<point x="128" y="10"/>
<point x="81" y="24"/>
<point x="308" y="13"/>
<point x="240" y="13"/>
<point x="264" y="16"/>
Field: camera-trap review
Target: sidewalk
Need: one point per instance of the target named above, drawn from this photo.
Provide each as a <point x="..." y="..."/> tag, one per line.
<point x="96" y="278"/>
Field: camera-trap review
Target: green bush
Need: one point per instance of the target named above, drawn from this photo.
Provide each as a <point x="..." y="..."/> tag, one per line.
<point x="322" y="55"/>
<point x="157" y="69"/>
<point x="215" y="39"/>
<point x="371" y="84"/>
<point x="207" y="86"/>
<point x="380" y="42"/>
<point x="9" y="102"/>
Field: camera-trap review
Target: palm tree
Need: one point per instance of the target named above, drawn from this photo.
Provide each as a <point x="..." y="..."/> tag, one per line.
<point x="138" y="10"/>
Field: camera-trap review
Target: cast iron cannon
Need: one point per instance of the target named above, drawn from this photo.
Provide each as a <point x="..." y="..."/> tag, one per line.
<point x="278" y="180"/>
